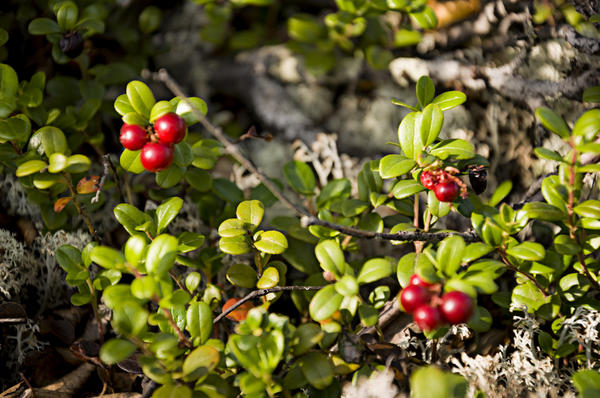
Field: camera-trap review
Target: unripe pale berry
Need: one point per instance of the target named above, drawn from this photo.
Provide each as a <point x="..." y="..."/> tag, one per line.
<point x="133" y="137"/>
<point x="457" y="307"/>
<point x="412" y="297"/>
<point x="170" y="128"/>
<point x="428" y="318"/>
<point x="156" y="156"/>
<point x="446" y="191"/>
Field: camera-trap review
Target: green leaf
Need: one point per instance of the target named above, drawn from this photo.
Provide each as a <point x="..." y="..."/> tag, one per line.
<point x="166" y="212"/>
<point x="227" y="190"/>
<point x="9" y="84"/>
<point x="592" y="94"/>
<point x="317" y="369"/>
<point x="431" y="124"/>
<point x="199" y="321"/>
<point x="43" y="26"/>
<point x="272" y="242"/>
<point x="67" y="15"/>
<point x="204" y="157"/>
<point x="123" y="106"/>
<point x="324" y="303"/>
<point x="449" y="100"/>
<point x="335" y="189"/>
<point x="481" y="321"/>
<point x="14" y="129"/>
<point x="140" y="97"/>
<point x="458" y="148"/>
<point x="529" y="251"/>
<point x="405" y="38"/>
<point x="476" y="250"/>
<point x="405" y="188"/>
<point x="78" y="163"/>
<point x="588" y="124"/>
<point x="144" y="288"/>
<point x="449" y="254"/>
<point x="392" y="166"/>
<point x="300" y="177"/>
<point x="500" y="193"/>
<point x="161" y="254"/>
<point x="172" y="391"/>
<point x="305" y="28"/>
<point x="587" y="383"/>
<point x="131" y="161"/>
<point x="185" y="110"/>
<point x="552" y="121"/>
<point x="52" y="140"/>
<point x="108" y="257"/>
<point x="425" y="91"/>
<point x="331" y="257"/>
<point x="231" y="227"/>
<point x="234" y="245"/>
<point x="242" y="275"/>
<point x="183" y="155"/>
<point x="425" y="18"/>
<point x="3" y="37"/>
<point x="130" y="217"/>
<point x="437" y="208"/>
<point x="566" y="246"/>
<point x="192" y="281"/>
<point x="30" y="167"/>
<point x="405" y="105"/>
<point x="170" y="177"/>
<point x="406" y="268"/>
<point x="200" y="180"/>
<point x="306" y="336"/>
<point x="116" y="350"/>
<point x="555" y="193"/>
<point x="430" y="381"/>
<point x="527" y="295"/>
<point x="589" y="208"/>
<point x="374" y="270"/>
<point x="268" y="279"/>
<point x="544" y="153"/>
<point x="544" y="211"/>
<point x="407" y="136"/>
<point x="250" y="212"/>
<point x="69" y="258"/>
<point x="189" y="241"/>
<point x="347" y="286"/>
<point x="200" y="363"/>
<point x="159" y="109"/>
<point x="45" y="181"/>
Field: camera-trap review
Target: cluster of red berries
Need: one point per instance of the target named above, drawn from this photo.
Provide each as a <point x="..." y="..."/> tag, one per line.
<point x="445" y="185"/>
<point x="429" y="311"/>
<point x="156" y="143"/>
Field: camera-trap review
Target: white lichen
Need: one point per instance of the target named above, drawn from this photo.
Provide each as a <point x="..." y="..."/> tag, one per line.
<point x="377" y="385"/>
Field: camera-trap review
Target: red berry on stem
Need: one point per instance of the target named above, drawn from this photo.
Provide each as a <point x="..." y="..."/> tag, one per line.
<point x="457" y="307"/>
<point x="170" y="128"/>
<point x="133" y="137"/>
<point x="412" y="297"/>
<point x="156" y="156"/>
<point x="446" y="191"/>
<point x="427" y="179"/>
<point x="428" y="318"/>
<point x="418" y="281"/>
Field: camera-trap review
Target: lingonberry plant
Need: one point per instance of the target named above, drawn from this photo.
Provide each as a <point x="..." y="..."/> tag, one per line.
<point x="288" y="303"/>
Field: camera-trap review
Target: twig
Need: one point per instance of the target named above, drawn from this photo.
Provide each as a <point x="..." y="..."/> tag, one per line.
<point x="263" y="292"/>
<point x="525" y="274"/>
<point x="80" y="208"/>
<point x="108" y="167"/>
<point x="409" y="236"/>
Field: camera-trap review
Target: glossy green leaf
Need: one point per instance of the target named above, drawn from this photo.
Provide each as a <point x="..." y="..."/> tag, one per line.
<point x="300" y="177"/>
<point x="335" y="189"/>
<point x="45" y="181"/>
<point x="437" y="208"/>
<point x="15" y="129"/>
<point x="78" y="163"/>
<point x="250" y="212"/>
<point x="272" y="242"/>
<point x="227" y="190"/>
<point x="192" y="281"/>
<point x="588" y="124"/>
<point x="199" y="321"/>
<point x="144" y="288"/>
<point x="200" y="362"/>
<point x="166" y="212"/>
<point x="161" y="254"/>
<point x="116" y="350"/>
<point x="331" y="257"/>
<point x="450" y="253"/>
<point x="347" y="286"/>
<point x="67" y="15"/>
<point x="500" y="193"/>
<point x="460" y="149"/>
<point x="407" y="136"/>
<point x="449" y="100"/>
<point x="544" y="153"/>
<point x="189" y="241"/>
<point x="425" y="18"/>
<point x="69" y="258"/>
<point x="131" y="161"/>
<point x="475" y="250"/>
<point x="170" y="177"/>
<point x="432" y="119"/>
<point x="374" y="270"/>
<point x="234" y="245"/>
<point x="242" y="275"/>
<point x="185" y="109"/>
<point x="589" y="208"/>
<point x="57" y="162"/>
<point x="425" y="90"/>
<point x="140" y="97"/>
<point x="429" y="381"/>
<point x="405" y="188"/>
<point x="566" y="246"/>
<point x="391" y="166"/>
<point x="529" y="251"/>
<point x="317" y="369"/>
<point x="543" y="211"/>
<point x="130" y="217"/>
<point x="159" y="109"/>
<point x="200" y="180"/>
<point x="555" y="193"/>
<point x="232" y="227"/>
<point x="306" y="336"/>
<point x="134" y="118"/>
<point x="134" y="248"/>
<point x="268" y="279"/>
<point x="587" y="383"/>
<point x="183" y="155"/>
<point x="204" y="157"/>
<point x="552" y="121"/>
<point x="30" y="167"/>
<point x="107" y="257"/>
<point x="527" y="295"/>
<point x="43" y="26"/>
<point x="324" y="303"/>
<point x="9" y="84"/>
<point x="52" y="140"/>
<point x="122" y="105"/>
<point x="592" y="94"/>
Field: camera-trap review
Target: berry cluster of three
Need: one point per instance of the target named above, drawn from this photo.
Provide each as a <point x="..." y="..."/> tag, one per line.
<point x="417" y="299"/>
<point x="157" y="146"/>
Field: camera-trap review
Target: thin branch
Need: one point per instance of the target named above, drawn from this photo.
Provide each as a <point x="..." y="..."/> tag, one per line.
<point x="80" y="208"/>
<point x="525" y="274"/>
<point x="108" y="168"/>
<point x="263" y="292"/>
<point x="408" y="236"/>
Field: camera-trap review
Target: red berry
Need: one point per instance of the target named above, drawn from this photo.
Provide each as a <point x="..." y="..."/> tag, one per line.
<point x="418" y="281"/>
<point x="412" y="297"/>
<point x="170" y="128"/>
<point x="133" y="137"/>
<point x="446" y="191"/>
<point x="427" y="179"/>
<point x="457" y="307"/>
<point x="428" y="318"/>
<point x="156" y="156"/>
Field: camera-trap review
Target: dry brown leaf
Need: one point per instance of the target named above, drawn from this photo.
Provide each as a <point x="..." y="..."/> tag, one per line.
<point x="88" y="184"/>
<point x="60" y="203"/>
